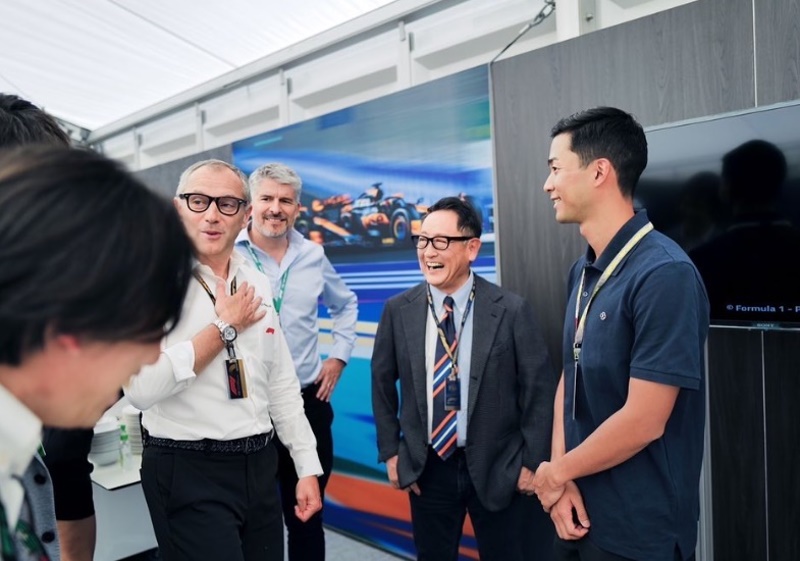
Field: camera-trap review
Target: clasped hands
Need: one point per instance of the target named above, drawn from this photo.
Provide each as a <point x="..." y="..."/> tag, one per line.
<point x="563" y="501"/>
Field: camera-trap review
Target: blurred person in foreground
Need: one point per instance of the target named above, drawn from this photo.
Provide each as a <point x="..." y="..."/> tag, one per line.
<point x="223" y="385"/>
<point x="93" y="270"/>
<point x="66" y="450"/>
<point x="622" y="482"/>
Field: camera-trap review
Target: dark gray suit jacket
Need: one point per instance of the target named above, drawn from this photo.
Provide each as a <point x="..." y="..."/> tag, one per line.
<point x="39" y="495"/>
<point x="511" y="390"/>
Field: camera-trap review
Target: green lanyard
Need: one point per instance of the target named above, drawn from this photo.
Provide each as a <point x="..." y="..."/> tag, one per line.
<point x="27" y="536"/>
<point x="6" y="539"/>
<point x="276" y="301"/>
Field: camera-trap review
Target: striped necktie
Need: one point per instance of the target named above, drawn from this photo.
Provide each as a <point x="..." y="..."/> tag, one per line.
<point x="443" y="427"/>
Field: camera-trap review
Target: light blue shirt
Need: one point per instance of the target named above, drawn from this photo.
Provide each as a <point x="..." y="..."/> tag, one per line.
<point x="460" y="298"/>
<point x="311" y="278"/>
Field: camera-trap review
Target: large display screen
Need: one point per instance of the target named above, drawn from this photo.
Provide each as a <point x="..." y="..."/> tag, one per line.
<point x="727" y="189"/>
<point x="369" y="173"/>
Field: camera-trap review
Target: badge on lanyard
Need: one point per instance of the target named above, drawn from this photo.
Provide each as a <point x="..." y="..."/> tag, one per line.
<point x="237" y="383"/>
<point x="452" y="394"/>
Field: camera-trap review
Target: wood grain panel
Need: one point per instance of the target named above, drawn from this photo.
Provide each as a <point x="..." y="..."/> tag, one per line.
<point x="690" y="61"/>
<point x="782" y="391"/>
<point x="736" y="419"/>
<point x="777" y="52"/>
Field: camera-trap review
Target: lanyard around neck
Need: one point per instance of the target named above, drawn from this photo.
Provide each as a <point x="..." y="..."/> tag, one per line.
<point x="208" y="290"/>
<point x="442" y="337"/>
<point x="27" y="537"/>
<point x="7" y="548"/>
<point x="580" y="319"/>
<point x="228" y="345"/>
<point x="276" y="300"/>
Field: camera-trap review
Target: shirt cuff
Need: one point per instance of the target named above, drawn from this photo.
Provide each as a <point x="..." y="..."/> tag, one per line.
<point x="182" y="358"/>
<point x="307" y="463"/>
<point x="342" y="352"/>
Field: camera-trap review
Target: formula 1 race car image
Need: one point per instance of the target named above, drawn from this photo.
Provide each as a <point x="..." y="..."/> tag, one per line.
<point x="371" y="219"/>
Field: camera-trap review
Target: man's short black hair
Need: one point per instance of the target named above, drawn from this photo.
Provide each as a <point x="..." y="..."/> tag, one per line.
<point x="468" y="222"/>
<point x="21" y="122"/>
<point x="754" y="172"/>
<point x="608" y="132"/>
<point x="86" y="250"/>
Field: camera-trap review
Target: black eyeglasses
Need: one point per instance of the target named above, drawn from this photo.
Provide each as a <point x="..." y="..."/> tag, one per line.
<point x="439" y="242"/>
<point x="197" y="202"/>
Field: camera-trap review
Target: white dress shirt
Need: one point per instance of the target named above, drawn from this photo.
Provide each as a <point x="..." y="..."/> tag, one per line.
<point x="20" y="434"/>
<point x="181" y="404"/>
<point x="311" y="277"/>
<point x="463" y="351"/>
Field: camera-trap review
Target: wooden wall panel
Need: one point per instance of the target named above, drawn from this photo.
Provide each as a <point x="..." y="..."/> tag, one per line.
<point x="782" y="399"/>
<point x="777" y="54"/>
<point x="690" y="61"/>
<point x="737" y="444"/>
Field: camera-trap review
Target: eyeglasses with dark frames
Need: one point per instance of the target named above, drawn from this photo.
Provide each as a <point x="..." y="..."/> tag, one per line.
<point x="439" y="242"/>
<point x="197" y="202"/>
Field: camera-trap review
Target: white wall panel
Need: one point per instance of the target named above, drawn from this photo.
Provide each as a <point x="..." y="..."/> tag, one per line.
<point x="241" y="112"/>
<point x="169" y="138"/>
<point x="123" y="148"/>
<point x="614" y="12"/>
<point x="345" y="77"/>
<point x="434" y="41"/>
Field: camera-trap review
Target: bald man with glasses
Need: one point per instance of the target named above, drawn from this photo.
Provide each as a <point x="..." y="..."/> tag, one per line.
<point x="224" y="383"/>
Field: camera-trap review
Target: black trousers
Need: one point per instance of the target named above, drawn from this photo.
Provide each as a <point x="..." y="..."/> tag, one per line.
<point x="585" y="550"/>
<point x="67" y="460"/>
<point x="213" y="507"/>
<point x="447" y="495"/>
<point x="307" y="540"/>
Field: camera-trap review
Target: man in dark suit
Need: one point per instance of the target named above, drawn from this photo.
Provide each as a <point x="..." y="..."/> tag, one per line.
<point x="474" y="414"/>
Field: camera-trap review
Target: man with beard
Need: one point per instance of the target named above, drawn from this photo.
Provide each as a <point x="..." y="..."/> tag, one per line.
<point x="300" y="275"/>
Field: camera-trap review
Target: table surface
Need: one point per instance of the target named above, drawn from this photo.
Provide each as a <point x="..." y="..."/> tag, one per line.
<point x="113" y="476"/>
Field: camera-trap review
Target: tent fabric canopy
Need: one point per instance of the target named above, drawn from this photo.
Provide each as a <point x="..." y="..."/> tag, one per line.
<point x="93" y="62"/>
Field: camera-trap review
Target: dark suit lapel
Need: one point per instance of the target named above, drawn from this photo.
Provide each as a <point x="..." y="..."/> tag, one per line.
<point x="415" y="317"/>
<point x="485" y="323"/>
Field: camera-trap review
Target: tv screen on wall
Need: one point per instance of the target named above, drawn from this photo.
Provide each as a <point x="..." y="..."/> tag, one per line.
<point x="727" y="189"/>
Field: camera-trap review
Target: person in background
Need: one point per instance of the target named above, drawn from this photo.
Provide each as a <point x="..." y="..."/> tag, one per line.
<point x="224" y="379"/>
<point x="473" y="415"/>
<point x="87" y="288"/>
<point x="300" y="276"/>
<point x="622" y="482"/>
<point x="759" y="237"/>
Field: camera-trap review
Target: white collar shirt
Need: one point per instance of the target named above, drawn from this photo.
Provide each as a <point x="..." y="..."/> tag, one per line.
<point x="310" y="278"/>
<point x="181" y="404"/>
<point x="464" y="350"/>
<point x="20" y="435"/>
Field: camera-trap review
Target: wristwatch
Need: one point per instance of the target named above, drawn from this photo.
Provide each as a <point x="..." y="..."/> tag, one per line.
<point x="227" y="332"/>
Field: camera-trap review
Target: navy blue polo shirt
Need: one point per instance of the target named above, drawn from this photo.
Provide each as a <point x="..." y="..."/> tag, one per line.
<point x="649" y="321"/>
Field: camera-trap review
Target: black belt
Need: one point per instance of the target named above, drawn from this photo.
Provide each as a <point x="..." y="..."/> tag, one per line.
<point x="246" y="445"/>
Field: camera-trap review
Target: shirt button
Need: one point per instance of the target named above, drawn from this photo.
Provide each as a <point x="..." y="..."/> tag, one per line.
<point x="39" y="479"/>
<point x="585" y="294"/>
<point x="48" y="537"/>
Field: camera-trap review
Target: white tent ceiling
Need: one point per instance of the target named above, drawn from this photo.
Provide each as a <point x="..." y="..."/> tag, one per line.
<point x="93" y="62"/>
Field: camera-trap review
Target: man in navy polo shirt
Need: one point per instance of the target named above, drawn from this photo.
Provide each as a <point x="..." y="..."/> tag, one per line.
<point x="623" y="479"/>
